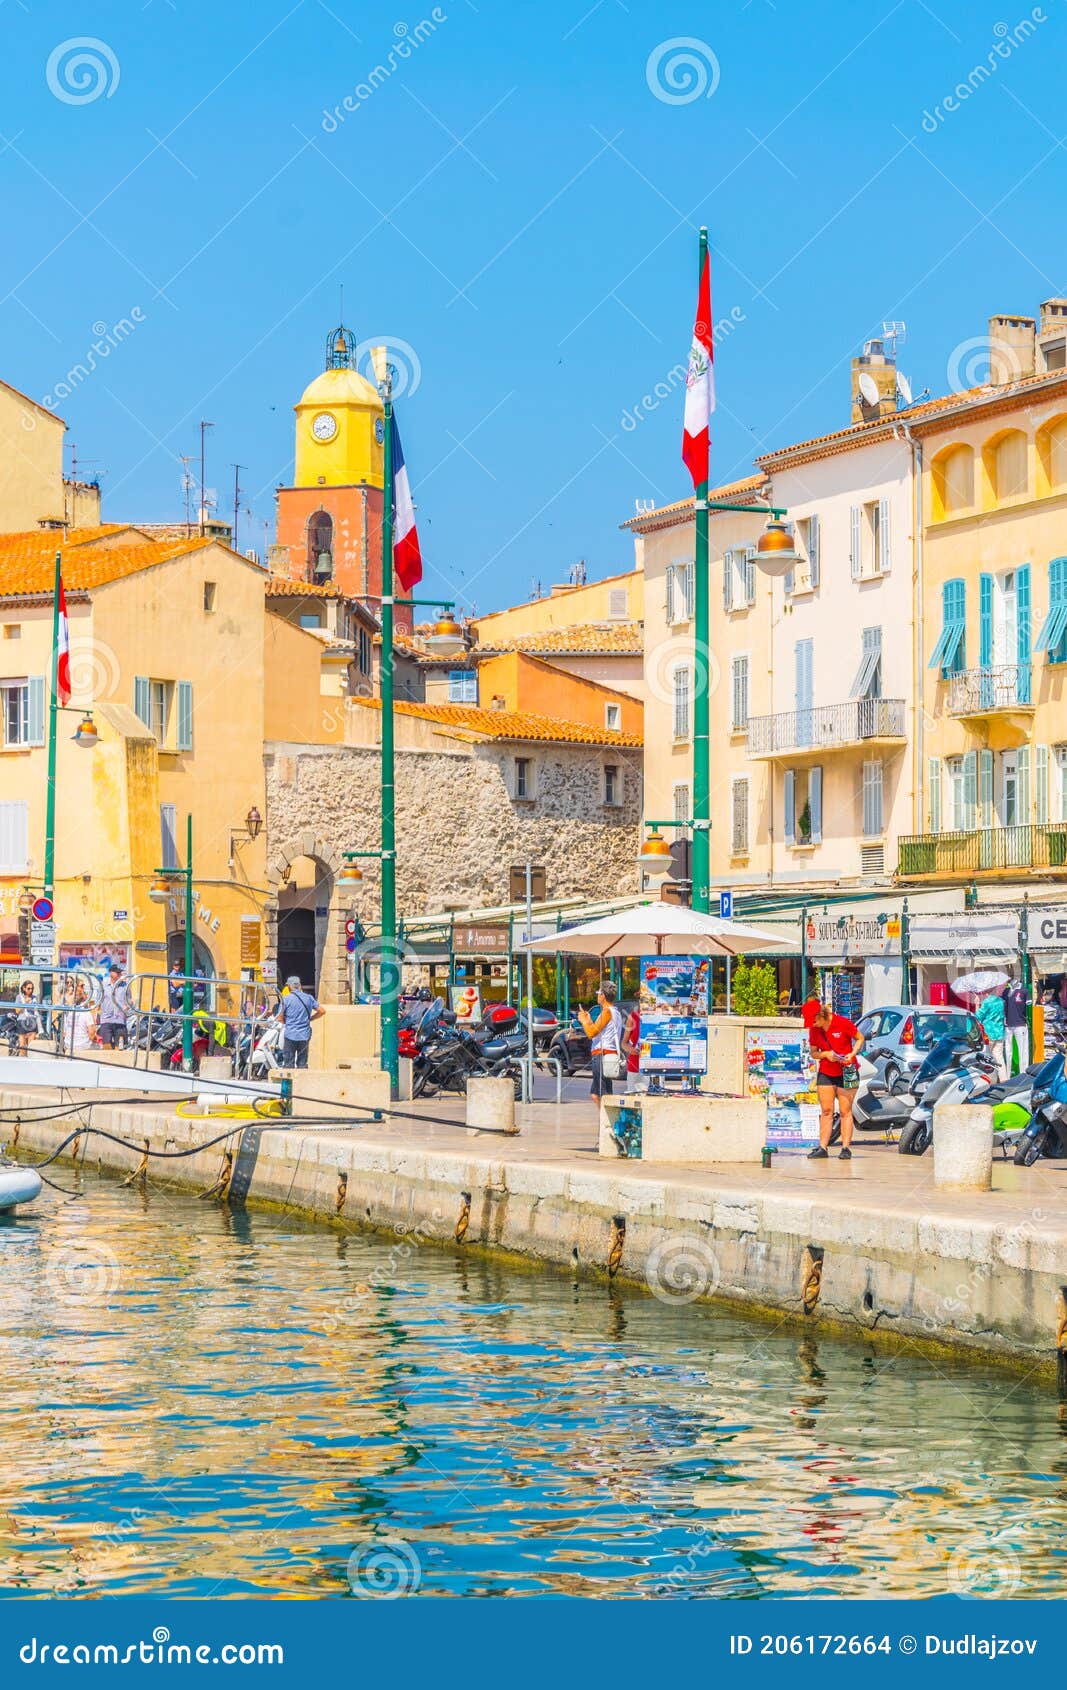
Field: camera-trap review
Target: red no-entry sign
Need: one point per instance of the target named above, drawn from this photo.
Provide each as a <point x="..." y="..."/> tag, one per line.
<point x="43" y="909"/>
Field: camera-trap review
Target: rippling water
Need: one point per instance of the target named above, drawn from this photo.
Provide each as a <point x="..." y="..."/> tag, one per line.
<point x="206" y="1403"/>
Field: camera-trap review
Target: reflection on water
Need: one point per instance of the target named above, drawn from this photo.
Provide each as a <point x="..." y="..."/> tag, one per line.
<point x="203" y="1402"/>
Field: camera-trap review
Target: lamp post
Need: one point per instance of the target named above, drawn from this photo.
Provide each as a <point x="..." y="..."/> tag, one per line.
<point x="85" y="737"/>
<point x="159" y="892"/>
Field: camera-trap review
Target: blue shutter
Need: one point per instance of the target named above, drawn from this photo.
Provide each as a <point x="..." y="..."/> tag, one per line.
<point x="142" y="700"/>
<point x="985" y="621"/>
<point x="949" y="654"/>
<point x="35" y="711"/>
<point x="1051" y="635"/>
<point x="790" y="807"/>
<point x="185" y="716"/>
<point x="168" y="830"/>
<point x="970" y="789"/>
<point x="1022" y="619"/>
<point x="813" y="550"/>
<point x="815" y="804"/>
<point x="750" y="575"/>
<point x="985" y="789"/>
<point x="805" y="683"/>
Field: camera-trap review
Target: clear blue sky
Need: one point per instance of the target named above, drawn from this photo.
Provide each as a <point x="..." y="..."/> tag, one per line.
<point x="515" y="203"/>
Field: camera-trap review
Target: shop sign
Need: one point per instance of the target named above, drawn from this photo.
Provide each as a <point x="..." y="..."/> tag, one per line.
<point x="120" y="915"/>
<point x="1046" y="927"/>
<point x="673" y="1008"/>
<point x="975" y="934"/>
<point x="853" y="933"/>
<point x="780" y="1069"/>
<point x="481" y="941"/>
<point x="250" y="940"/>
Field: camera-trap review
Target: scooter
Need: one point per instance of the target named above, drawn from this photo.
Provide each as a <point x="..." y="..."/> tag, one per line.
<point x="954" y="1071"/>
<point x="1046" y="1134"/>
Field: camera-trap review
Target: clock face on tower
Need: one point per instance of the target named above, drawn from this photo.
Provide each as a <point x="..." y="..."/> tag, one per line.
<point x="324" y="426"/>
<point x="379" y="430"/>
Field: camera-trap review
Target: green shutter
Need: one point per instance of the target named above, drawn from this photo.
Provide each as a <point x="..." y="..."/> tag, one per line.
<point x="1022" y="618"/>
<point x="934" y="779"/>
<point x="142" y="701"/>
<point x="1041" y="783"/>
<point x="185" y="716"/>
<point x="985" y="789"/>
<point x="970" y="789"/>
<point x="35" y="710"/>
<point x="985" y="621"/>
<point x="815" y="804"/>
<point x="1024" y="786"/>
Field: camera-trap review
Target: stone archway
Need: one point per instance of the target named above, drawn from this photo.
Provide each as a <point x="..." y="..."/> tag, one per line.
<point x="332" y="985"/>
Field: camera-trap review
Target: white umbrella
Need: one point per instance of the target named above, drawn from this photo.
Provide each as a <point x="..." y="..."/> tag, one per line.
<point x="658" y="929"/>
<point x="982" y="980"/>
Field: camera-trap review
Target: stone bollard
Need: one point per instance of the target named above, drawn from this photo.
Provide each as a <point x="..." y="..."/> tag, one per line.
<point x="491" y="1103"/>
<point x="216" y="1068"/>
<point x="963" y="1146"/>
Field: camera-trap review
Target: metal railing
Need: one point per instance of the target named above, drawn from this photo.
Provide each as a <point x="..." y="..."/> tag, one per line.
<point x="61" y="1005"/>
<point x="231" y="1015"/>
<point x="826" y="727"/>
<point x="1042" y="845"/>
<point x="977" y="692"/>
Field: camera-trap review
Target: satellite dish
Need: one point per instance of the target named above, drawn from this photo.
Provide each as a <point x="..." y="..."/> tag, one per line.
<point x="903" y="388"/>
<point x="868" y="389"/>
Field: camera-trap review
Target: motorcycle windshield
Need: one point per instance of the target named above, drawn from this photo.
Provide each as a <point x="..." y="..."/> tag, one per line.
<point x="1050" y="1077"/>
<point x="944" y="1054"/>
<point x="431" y="1019"/>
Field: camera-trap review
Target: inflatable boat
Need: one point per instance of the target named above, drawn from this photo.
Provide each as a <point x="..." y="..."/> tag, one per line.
<point x="17" y="1184"/>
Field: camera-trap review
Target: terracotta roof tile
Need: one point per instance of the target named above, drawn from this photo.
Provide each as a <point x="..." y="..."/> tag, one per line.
<point x="606" y="639"/>
<point x="666" y="516"/>
<point x="281" y="587"/>
<point x="26" y="567"/>
<point x="510" y="724"/>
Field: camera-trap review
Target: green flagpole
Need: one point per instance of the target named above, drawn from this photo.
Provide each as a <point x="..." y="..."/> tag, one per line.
<point x="53" y="708"/>
<point x="701" y="854"/>
<point x="389" y="969"/>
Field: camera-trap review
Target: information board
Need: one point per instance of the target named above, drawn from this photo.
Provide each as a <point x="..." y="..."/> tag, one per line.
<point x="780" y="1068"/>
<point x="673" y="1007"/>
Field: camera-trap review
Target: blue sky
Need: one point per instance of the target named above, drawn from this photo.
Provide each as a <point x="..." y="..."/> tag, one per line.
<point x="517" y="204"/>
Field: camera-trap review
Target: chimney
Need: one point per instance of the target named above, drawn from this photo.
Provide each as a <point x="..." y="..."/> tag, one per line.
<point x="880" y="369"/>
<point x="1011" y="348"/>
<point x="1052" y="335"/>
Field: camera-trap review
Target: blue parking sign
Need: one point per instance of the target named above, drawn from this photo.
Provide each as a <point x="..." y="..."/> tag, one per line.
<point x="726" y="906"/>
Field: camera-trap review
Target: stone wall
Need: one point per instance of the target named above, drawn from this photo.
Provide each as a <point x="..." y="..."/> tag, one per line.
<point x="459" y="830"/>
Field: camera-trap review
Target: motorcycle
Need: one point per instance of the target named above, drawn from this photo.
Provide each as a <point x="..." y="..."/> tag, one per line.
<point x="955" y="1070"/>
<point x="1046" y="1133"/>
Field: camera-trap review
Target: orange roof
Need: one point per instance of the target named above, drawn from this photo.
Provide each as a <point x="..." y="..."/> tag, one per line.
<point x="667" y="516"/>
<point x="606" y="639"/>
<point x="509" y="724"/>
<point x="281" y="587"/>
<point x="92" y="557"/>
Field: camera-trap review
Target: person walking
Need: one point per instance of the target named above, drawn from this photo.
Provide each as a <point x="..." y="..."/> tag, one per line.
<point x="605" y="1035"/>
<point x="991" y="1015"/>
<point x="296" y="1011"/>
<point x="631" y="1049"/>
<point x="114" y="1008"/>
<point x="838" y="1042"/>
<point x="1016" y="1024"/>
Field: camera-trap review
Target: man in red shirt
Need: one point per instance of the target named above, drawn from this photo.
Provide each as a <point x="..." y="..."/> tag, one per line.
<point x="837" y="1042"/>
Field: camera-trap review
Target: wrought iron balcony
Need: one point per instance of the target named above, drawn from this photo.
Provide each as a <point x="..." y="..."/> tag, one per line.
<point x="990" y="692"/>
<point x="975" y="850"/>
<point x="831" y="727"/>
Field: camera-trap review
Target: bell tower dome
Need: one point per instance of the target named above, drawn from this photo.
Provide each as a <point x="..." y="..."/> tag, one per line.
<point x="339" y="423"/>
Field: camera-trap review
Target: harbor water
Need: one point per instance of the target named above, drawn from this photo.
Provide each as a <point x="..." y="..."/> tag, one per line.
<point x="210" y="1402"/>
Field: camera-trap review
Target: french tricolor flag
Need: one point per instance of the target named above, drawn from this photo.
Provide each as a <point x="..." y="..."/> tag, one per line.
<point x="63" y="649"/>
<point x="407" y="559"/>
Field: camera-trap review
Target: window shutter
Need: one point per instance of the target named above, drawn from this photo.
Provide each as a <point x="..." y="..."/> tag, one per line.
<point x="750" y="575"/>
<point x="728" y="581"/>
<point x="1024" y="786"/>
<point x="985" y="789"/>
<point x="35" y="711"/>
<point x="970" y="789"/>
<point x="985" y="620"/>
<point x="168" y="833"/>
<point x="885" y="548"/>
<point x="142" y="699"/>
<point x="689" y="573"/>
<point x="681" y="801"/>
<point x="789" y="785"/>
<point x="789" y="582"/>
<point x="813" y="549"/>
<point x="934" y="778"/>
<point x="185" y="716"/>
<point x="739" y="820"/>
<point x="872" y="799"/>
<point x="854" y="553"/>
<point x="681" y="703"/>
<point x="14" y="836"/>
<point x="739" y="694"/>
<point x="1022" y="620"/>
<point x="815" y="804"/>
<point x="1041" y="783"/>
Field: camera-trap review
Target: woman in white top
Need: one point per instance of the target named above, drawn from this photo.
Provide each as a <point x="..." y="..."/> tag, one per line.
<point x="605" y="1032"/>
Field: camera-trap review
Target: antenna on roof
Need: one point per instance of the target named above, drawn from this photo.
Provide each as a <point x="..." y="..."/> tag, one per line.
<point x="643" y="506"/>
<point x="894" y="334"/>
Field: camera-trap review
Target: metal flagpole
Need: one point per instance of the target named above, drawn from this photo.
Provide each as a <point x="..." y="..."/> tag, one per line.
<point x="529" y="983"/>
<point x="53" y="718"/>
<point x="389" y="967"/>
<point x="701" y="854"/>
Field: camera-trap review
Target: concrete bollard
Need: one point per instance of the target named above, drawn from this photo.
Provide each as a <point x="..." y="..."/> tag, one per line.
<point x="963" y="1146"/>
<point x="216" y="1068"/>
<point x="491" y="1103"/>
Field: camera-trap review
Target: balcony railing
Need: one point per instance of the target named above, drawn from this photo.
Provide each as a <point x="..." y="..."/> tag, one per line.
<point x="987" y="692"/>
<point x="826" y="728"/>
<point x="983" y="848"/>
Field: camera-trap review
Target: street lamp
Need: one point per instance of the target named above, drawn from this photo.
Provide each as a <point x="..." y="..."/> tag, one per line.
<point x="655" y="854"/>
<point x="775" y="552"/>
<point x="446" y="638"/>
<point x="85" y="735"/>
<point x="350" y="876"/>
<point x="160" y="891"/>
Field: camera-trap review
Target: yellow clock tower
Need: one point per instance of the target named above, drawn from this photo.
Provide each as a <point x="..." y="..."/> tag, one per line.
<point x="329" y="520"/>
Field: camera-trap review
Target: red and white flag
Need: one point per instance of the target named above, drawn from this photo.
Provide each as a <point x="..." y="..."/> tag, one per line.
<point x="63" y="650"/>
<point x="700" y="385"/>
<point x="407" y="559"/>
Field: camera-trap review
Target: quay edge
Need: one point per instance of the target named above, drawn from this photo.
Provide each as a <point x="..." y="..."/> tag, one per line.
<point x="958" y="1282"/>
